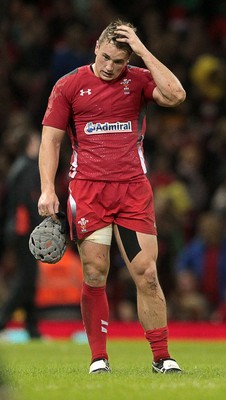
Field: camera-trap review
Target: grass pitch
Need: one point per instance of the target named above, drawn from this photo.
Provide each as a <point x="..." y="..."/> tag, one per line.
<point x="58" y="370"/>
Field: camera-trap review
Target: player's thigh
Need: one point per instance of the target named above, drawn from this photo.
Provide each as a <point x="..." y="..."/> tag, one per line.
<point x="94" y="256"/>
<point x="139" y="250"/>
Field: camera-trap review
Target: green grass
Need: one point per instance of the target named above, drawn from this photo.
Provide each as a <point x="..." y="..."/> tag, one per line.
<point x="57" y="370"/>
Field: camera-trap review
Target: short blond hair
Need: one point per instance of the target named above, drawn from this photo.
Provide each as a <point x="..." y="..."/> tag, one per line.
<point x="109" y="35"/>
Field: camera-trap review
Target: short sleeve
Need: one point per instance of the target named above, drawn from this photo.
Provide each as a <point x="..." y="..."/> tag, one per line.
<point x="149" y="84"/>
<point x="58" y="111"/>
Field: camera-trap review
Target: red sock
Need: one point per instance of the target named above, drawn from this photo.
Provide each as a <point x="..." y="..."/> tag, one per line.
<point x="95" y="315"/>
<point x="158" y="339"/>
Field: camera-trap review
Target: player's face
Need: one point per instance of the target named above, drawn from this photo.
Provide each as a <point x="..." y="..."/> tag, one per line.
<point x="110" y="61"/>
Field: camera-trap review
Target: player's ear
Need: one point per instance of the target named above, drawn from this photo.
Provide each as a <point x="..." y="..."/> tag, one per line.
<point x="97" y="47"/>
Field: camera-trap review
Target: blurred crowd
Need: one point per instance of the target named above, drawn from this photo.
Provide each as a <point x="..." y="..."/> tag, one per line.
<point x="185" y="147"/>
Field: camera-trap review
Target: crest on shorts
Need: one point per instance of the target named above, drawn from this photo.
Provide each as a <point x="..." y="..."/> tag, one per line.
<point x="82" y="222"/>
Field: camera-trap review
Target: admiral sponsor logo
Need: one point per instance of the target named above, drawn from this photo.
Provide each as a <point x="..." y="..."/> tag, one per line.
<point x="107" y="127"/>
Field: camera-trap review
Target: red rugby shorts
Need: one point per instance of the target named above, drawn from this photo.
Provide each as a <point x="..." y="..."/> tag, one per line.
<point x="92" y="205"/>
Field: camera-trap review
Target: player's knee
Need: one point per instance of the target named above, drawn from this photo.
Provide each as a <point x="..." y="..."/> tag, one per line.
<point x="95" y="274"/>
<point x="150" y="277"/>
<point x="94" y="277"/>
<point x="147" y="279"/>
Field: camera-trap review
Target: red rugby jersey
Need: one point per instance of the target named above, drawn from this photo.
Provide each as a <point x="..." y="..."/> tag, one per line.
<point x="106" y="122"/>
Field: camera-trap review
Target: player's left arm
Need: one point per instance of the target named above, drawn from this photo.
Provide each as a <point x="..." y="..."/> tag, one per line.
<point x="168" y="91"/>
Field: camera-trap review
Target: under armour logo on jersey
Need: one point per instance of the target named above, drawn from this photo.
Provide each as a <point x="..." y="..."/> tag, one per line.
<point x="103" y="329"/>
<point x="88" y="91"/>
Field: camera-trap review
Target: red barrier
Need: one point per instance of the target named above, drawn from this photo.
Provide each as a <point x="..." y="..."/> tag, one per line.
<point x="133" y="330"/>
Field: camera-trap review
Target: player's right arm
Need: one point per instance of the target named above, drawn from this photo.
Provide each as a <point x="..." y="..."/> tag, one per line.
<point x="49" y="153"/>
